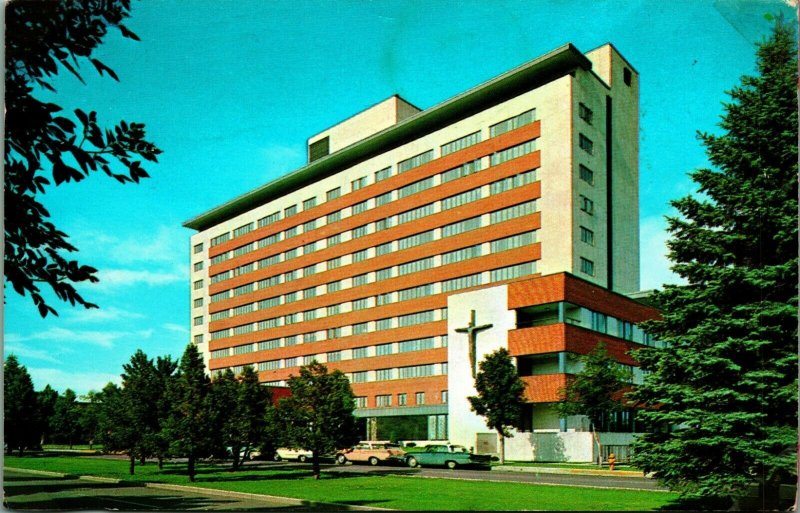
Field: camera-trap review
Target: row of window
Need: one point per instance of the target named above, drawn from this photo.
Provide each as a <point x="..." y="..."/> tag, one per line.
<point x="497" y="246"/>
<point x="383" y="400"/>
<point x="402" y="166"/>
<point x="452" y="229"/>
<point x="404" y="217"/>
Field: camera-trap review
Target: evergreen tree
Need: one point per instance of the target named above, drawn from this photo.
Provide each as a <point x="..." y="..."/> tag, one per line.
<point x="500" y="395"/>
<point x="188" y="426"/>
<point x="595" y="391"/>
<point x="722" y="395"/>
<point x="19" y="407"/>
<point x="65" y="422"/>
<point x="139" y="386"/>
<point x="46" y="404"/>
<point x="318" y="416"/>
<point x="164" y="373"/>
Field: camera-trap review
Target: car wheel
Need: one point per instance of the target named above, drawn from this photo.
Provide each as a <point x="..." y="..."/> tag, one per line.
<point x="451" y="465"/>
<point x="412" y="462"/>
<point x="373" y="460"/>
<point x="277" y="457"/>
<point x="340" y="459"/>
<point x="302" y="458"/>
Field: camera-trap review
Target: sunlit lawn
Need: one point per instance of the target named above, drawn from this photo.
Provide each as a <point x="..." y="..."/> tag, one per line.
<point x="389" y="491"/>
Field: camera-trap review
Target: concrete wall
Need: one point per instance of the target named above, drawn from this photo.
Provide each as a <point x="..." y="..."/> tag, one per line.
<point x="571" y="446"/>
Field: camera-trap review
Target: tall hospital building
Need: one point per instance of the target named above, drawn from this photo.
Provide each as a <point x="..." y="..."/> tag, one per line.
<point x="511" y="208"/>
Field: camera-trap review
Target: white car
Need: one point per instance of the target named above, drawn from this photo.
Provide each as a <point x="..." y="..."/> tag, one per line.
<point x="300" y="455"/>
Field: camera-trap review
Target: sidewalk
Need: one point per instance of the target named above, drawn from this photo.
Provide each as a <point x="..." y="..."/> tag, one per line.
<point x="572" y="471"/>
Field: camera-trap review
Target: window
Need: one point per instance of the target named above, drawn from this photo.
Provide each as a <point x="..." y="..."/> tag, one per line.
<point x="219" y="296"/>
<point x="415" y="240"/>
<point x="247" y="228"/>
<point x="383" y="174"/>
<point x="512" y="153"/>
<point x="461" y="283"/>
<point x="223" y="314"/>
<point x="198" y="285"/>
<point x="290" y="211"/>
<point x="416" y="371"/>
<point x="444" y="396"/>
<point x="515" y="241"/>
<point x="361" y="402"/>
<point x="517" y="121"/>
<point x="383" y="274"/>
<point x="360" y="231"/>
<point x="290" y="340"/>
<point x="269" y="323"/>
<point x="247" y="248"/>
<point x="198" y="302"/>
<point x="333" y="217"/>
<point x="309" y="337"/>
<point x="360" y="207"/>
<point x="310" y="270"/>
<point x="289" y="276"/>
<point x="198" y="248"/>
<point x="586" y="144"/>
<point x="220" y="258"/>
<point x="361" y="304"/>
<point x="383" y="199"/>
<point x="415" y="292"/>
<point x="383" y="249"/>
<point x="309" y="315"/>
<point x="272" y="239"/>
<point x="333" y="309"/>
<point x="599" y="322"/>
<point x="243" y="309"/>
<point x="523" y="209"/>
<point x="415" y="187"/>
<point x="220" y="277"/>
<point x="221" y="353"/>
<point x="310" y="203"/>
<point x="402" y="399"/>
<point x="291" y="318"/>
<point x="216" y="335"/>
<point x="266" y="345"/>
<point x="358" y="183"/>
<point x="415" y="318"/>
<point x="241" y="330"/>
<point x="383" y="324"/>
<point x="414" y="161"/>
<point x="587" y="266"/>
<point x="512" y="182"/>
<point x="461" y="199"/>
<point x="461" y="227"/>
<point x="269" y="303"/>
<point x="415" y="266"/>
<point x="198" y="321"/>
<point x="244" y="349"/>
<point x="309" y="292"/>
<point x="334" y="356"/>
<point x="219" y="239"/>
<point x="415" y="345"/>
<point x="514" y="271"/>
<point x="334" y="239"/>
<point x="290" y="232"/>
<point x="383" y="400"/>
<point x="244" y="289"/>
<point x="309" y="359"/>
<point x="244" y="269"/>
<point x="270" y="365"/>
<point x="410" y="215"/>
<point x="290" y="362"/>
<point x="383" y="349"/>
<point x="318" y="149"/>
<point x="309" y="225"/>
<point x="359" y="352"/>
<point x="309" y="248"/>
<point x="383" y="299"/>
<point x="587" y="205"/>
<point x="625" y="329"/>
<point x="198" y="339"/>
<point x="586" y="174"/>
<point x="333" y="333"/>
<point x="360" y="377"/>
<point x="360" y="279"/>
<point x="461" y="171"/>
<point x="587" y="236"/>
<point x="461" y="254"/>
<point x="264" y="221"/>
<point x="444" y="340"/>
<point x="358" y="329"/>
<point x="461" y="143"/>
<point x="333" y="263"/>
<point x="333" y="194"/>
<point x="585" y="113"/>
<point x="334" y="286"/>
<point x="627" y="76"/>
<point x="383" y="374"/>
<point x="383" y="224"/>
<point x="420" y="398"/>
<point x="360" y="256"/>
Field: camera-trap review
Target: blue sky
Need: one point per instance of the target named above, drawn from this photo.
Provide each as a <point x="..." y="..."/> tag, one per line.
<point x="231" y="91"/>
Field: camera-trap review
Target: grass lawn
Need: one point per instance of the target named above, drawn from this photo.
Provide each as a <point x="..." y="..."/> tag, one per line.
<point x="76" y="447"/>
<point x="389" y="491"/>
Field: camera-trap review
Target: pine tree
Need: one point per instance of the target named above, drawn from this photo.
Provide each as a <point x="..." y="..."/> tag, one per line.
<point x="500" y="395"/>
<point x="140" y="388"/>
<point x="188" y="427"/>
<point x="19" y="407"/>
<point x="318" y="416"/>
<point x="722" y="395"/>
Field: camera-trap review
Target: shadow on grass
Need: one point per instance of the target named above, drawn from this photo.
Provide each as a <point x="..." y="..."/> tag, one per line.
<point x="699" y="504"/>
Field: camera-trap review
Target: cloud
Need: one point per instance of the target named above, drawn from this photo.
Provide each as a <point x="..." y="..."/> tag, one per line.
<point x="113" y="278"/>
<point x="104" y="314"/>
<point x="163" y="244"/>
<point x="281" y="159"/>
<point x="655" y="266"/>
<point x="58" y="335"/>
<point x="178" y="328"/>
<point x="33" y="354"/>
<point x="79" y="381"/>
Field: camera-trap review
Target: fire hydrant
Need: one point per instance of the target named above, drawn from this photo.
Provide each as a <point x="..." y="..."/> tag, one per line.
<point x="611" y="460"/>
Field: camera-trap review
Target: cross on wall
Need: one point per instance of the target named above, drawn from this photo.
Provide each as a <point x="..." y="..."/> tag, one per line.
<point x="472" y="337"/>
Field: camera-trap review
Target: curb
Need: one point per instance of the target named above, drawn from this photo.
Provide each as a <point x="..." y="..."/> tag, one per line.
<point x="572" y="471"/>
<point x="37" y="472"/>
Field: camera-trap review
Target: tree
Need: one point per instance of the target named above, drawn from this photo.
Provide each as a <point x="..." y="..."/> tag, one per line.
<point x="595" y="391"/>
<point x="19" y="407"/>
<point x="65" y="422"/>
<point x="41" y="38"/>
<point x="139" y="386"/>
<point x="117" y="429"/>
<point x="46" y="404"/>
<point x="187" y="426"/>
<point x="722" y="394"/>
<point x="500" y="395"/>
<point x="318" y="415"/>
<point x="164" y="373"/>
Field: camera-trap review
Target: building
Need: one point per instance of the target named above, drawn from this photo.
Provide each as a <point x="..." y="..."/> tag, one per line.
<point x="514" y="204"/>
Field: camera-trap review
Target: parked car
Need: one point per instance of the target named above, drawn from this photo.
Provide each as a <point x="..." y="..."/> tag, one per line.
<point x="372" y="453"/>
<point x="450" y="456"/>
<point x="285" y="453"/>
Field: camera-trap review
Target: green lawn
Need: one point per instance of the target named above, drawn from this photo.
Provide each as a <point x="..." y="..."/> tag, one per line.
<point x="389" y="491"/>
<point x="76" y="447"/>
